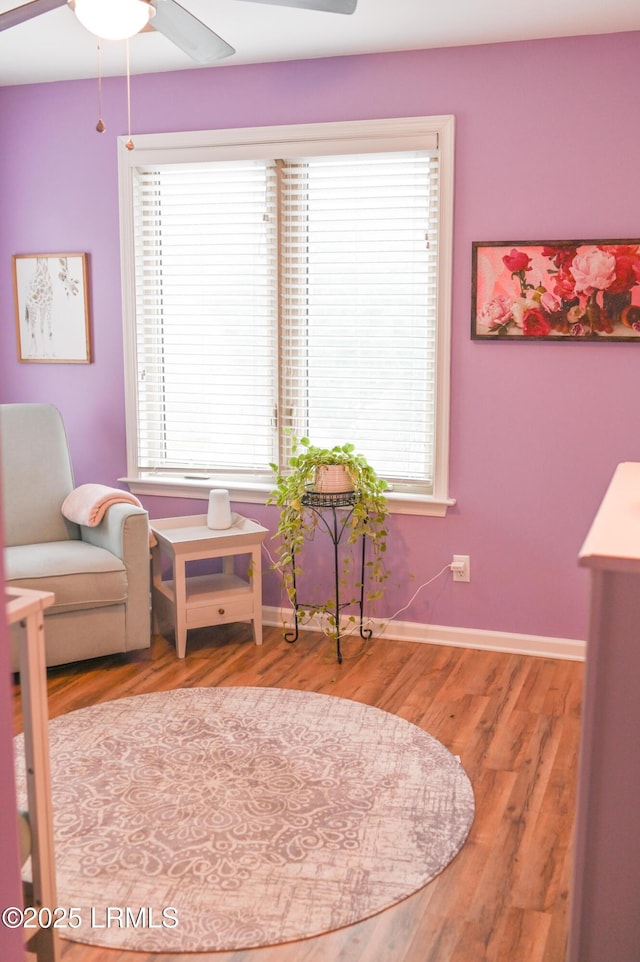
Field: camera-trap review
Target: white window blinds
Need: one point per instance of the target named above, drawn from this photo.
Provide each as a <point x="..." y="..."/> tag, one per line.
<point x="358" y="251"/>
<point x="283" y="281"/>
<point x="205" y="303"/>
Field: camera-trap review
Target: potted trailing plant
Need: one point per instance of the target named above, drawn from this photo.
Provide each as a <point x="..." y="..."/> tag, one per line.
<point x="367" y="517"/>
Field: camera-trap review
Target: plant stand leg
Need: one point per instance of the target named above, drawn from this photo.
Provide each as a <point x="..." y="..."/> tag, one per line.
<point x="292" y="636"/>
<point x="365" y="633"/>
<point x="336" y="541"/>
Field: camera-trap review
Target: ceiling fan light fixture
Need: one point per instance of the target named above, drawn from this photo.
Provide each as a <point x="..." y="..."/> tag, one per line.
<point x="113" y="19"/>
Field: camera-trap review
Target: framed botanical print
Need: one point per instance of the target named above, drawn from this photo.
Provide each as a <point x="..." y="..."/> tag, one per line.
<point x="52" y="308"/>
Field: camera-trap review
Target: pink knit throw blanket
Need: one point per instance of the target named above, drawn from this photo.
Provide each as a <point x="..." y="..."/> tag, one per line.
<point x="88" y="503"/>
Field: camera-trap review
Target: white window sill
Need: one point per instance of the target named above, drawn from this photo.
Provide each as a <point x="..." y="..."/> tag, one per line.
<point x="254" y="493"/>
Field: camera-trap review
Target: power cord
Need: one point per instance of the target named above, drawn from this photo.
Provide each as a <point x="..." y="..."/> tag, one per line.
<point x="448" y="567"/>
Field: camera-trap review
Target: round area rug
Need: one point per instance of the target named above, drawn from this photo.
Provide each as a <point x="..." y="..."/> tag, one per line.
<point x="210" y="819"/>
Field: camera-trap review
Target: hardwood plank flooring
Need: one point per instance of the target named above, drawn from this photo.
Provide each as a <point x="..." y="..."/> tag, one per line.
<point x="515" y="722"/>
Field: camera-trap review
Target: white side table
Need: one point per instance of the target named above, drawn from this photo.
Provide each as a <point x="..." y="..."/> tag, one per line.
<point x="26" y="607"/>
<point x="198" y="601"/>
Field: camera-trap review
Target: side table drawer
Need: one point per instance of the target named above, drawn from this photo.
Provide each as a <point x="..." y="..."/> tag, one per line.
<point x="220" y="613"/>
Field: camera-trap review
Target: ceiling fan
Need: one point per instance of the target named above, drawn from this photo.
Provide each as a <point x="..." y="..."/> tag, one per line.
<point x="166" y="16"/>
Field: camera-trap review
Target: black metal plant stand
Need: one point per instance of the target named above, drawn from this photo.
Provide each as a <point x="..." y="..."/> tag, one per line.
<point x="335" y="526"/>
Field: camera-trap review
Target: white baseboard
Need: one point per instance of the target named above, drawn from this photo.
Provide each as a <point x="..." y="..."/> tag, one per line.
<point x="541" y="646"/>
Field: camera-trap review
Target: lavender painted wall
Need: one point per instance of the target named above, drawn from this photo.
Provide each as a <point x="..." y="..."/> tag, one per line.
<point x="546" y="147"/>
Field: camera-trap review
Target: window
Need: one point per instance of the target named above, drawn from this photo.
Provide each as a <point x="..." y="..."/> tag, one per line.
<point x="284" y="282"/>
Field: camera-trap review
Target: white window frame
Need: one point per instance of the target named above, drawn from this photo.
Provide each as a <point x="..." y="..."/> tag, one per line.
<point x="411" y="133"/>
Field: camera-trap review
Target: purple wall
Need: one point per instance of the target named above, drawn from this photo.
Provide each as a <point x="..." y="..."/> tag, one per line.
<point x="546" y="148"/>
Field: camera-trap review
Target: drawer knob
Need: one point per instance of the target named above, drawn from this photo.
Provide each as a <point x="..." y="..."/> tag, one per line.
<point x="220" y="611"/>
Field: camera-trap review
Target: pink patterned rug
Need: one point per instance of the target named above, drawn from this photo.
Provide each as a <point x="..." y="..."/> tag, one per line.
<point x="209" y="819"/>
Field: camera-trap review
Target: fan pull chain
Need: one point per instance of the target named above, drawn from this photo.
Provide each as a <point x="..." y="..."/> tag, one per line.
<point x="100" y="126"/>
<point x="129" y="144"/>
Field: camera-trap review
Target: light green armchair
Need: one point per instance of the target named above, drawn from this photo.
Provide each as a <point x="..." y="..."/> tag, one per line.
<point x="99" y="575"/>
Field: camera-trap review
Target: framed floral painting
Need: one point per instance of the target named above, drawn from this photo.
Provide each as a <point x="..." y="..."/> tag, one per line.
<point x="587" y="290"/>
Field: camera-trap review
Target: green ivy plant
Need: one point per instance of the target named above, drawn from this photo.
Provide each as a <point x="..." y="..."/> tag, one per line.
<point x="297" y="524"/>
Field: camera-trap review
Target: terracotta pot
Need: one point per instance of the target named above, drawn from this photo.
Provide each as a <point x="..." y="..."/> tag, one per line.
<point x="332" y="479"/>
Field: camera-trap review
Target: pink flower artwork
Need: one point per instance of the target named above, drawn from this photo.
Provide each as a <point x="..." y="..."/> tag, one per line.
<point x="554" y="290"/>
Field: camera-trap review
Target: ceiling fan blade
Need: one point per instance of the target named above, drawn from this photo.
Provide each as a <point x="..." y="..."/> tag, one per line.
<point x="189" y="33"/>
<point x="28" y="11"/>
<point x="329" y="6"/>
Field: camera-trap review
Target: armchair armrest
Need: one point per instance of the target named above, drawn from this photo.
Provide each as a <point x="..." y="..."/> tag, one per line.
<point x="124" y="531"/>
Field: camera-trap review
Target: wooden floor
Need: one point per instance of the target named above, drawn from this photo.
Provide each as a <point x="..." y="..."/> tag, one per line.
<point x="514" y="721"/>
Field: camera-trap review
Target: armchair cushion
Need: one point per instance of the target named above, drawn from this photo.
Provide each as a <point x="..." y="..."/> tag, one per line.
<point x="36" y="474"/>
<point x="79" y="574"/>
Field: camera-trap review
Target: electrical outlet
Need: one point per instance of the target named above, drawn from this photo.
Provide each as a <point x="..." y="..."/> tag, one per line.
<point x="460" y="567"/>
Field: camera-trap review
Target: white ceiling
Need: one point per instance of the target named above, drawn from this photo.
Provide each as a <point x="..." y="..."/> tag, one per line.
<point x="55" y="46"/>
